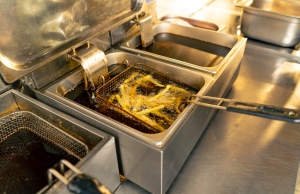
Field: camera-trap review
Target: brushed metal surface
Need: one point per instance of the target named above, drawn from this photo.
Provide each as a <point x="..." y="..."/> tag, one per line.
<point x="245" y="154"/>
<point x="276" y="21"/>
<point x="145" y="23"/>
<point x="34" y="33"/>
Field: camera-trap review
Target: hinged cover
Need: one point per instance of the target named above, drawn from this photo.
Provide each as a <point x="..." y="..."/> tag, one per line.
<point x="34" y="32"/>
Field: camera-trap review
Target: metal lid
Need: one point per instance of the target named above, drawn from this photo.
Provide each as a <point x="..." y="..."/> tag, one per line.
<point x="34" y="32"/>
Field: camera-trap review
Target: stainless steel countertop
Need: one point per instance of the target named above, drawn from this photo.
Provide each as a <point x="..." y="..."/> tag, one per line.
<point x="240" y="153"/>
<point x="246" y="154"/>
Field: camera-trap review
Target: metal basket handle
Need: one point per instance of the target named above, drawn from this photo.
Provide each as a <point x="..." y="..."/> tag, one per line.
<point x="81" y="183"/>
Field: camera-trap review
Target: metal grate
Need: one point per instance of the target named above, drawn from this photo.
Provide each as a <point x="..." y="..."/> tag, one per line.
<point x="25" y="139"/>
<point x="104" y="92"/>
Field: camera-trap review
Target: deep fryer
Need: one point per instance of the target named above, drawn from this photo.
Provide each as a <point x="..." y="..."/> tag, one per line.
<point x="35" y="137"/>
<point x="51" y="62"/>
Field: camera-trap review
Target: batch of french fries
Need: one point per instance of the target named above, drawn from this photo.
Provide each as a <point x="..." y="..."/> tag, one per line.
<point x="151" y="107"/>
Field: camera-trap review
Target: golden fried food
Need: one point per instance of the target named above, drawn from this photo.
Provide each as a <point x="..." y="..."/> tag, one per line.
<point x="152" y="102"/>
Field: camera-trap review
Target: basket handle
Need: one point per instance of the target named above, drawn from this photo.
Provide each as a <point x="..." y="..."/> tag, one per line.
<point x="81" y="183"/>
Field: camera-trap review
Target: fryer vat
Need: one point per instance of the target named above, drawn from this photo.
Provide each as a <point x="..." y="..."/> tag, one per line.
<point x="100" y="160"/>
<point x="194" y="48"/>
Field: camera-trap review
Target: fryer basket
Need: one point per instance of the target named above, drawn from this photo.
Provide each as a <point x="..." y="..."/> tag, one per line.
<point x="109" y="109"/>
<point x="23" y="133"/>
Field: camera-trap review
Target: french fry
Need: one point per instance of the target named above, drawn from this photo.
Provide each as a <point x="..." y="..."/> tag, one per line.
<point x="125" y="96"/>
<point x="178" y="102"/>
<point x="133" y="91"/>
<point x="163" y="116"/>
<point x="151" y="122"/>
<point x="112" y="98"/>
<point x="131" y="100"/>
<point x="131" y="77"/>
<point x="179" y="89"/>
<point x="150" y="79"/>
<point x="146" y="111"/>
<point x="160" y="94"/>
<point x="137" y="104"/>
<point x="124" y="107"/>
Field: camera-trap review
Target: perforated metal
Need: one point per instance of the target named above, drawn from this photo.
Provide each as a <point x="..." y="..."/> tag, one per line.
<point x="27" y="128"/>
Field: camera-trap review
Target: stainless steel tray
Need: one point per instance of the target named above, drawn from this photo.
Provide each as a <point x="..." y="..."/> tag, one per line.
<point x="101" y="160"/>
<point x="272" y="21"/>
<point x="152" y="165"/>
<point x="193" y="48"/>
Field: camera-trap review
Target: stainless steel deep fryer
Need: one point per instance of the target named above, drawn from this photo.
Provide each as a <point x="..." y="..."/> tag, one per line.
<point x="52" y="58"/>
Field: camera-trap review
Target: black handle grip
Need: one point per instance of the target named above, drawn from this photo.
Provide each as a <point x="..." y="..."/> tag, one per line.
<point x="84" y="184"/>
<point x="266" y="111"/>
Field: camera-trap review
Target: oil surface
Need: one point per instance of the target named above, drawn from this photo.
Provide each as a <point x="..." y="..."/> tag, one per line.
<point x="186" y="49"/>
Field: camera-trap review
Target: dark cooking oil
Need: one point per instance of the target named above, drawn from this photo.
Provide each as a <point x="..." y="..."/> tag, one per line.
<point x="188" y="50"/>
<point x="84" y="99"/>
<point x="25" y="159"/>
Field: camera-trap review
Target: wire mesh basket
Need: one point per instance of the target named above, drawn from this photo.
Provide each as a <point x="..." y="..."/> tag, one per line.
<point x="29" y="146"/>
<point x="116" y="112"/>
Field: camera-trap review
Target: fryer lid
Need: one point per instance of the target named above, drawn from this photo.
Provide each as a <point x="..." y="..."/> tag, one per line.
<point x="34" y="33"/>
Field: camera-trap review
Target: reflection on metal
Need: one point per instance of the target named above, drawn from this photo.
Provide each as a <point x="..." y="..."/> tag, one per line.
<point x="145" y="23"/>
<point x="279" y="18"/>
<point x="94" y="64"/>
<point x="64" y="26"/>
<point x="34" y="33"/>
<point x="137" y="4"/>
